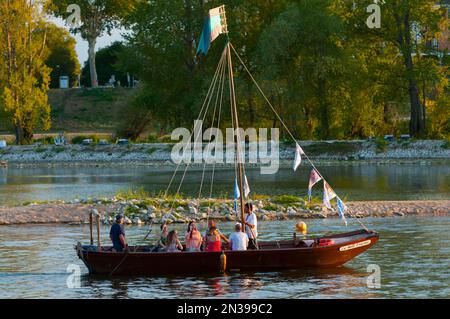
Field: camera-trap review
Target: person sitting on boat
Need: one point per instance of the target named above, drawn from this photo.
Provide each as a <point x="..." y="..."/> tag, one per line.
<point x="117" y="234"/>
<point x="212" y="223"/>
<point x="162" y="241"/>
<point x="173" y="243"/>
<point x="212" y="241"/>
<point x="251" y="226"/>
<point x="193" y="238"/>
<point x="238" y="239"/>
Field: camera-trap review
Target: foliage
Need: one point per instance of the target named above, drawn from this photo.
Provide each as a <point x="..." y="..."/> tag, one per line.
<point x="24" y="78"/>
<point x="97" y="17"/>
<point x="326" y="73"/>
<point x="286" y="199"/>
<point x="381" y="144"/>
<point x="61" y="56"/>
<point x="80" y="138"/>
<point x="105" y="60"/>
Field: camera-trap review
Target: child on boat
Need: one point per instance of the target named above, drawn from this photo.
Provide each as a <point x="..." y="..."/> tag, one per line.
<point x="162" y="241"/>
<point x="193" y="238"/>
<point x="212" y="241"/>
<point x="173" y="243"/>
<point x="212" y="223"/>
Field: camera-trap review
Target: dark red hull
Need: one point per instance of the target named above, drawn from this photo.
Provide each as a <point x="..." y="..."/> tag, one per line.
<point x="271" y="256"/>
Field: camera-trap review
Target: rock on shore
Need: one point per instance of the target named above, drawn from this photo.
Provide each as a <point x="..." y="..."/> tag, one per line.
<point x="140" y="212"/>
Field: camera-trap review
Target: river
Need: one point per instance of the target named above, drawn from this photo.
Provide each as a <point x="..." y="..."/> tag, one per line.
<point x="354" y="182"/>
<point x="413" y="255"/>
<point x="413" y="252"/>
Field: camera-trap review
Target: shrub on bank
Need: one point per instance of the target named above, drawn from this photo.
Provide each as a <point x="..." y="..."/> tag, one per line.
<point x="79" y="139"/>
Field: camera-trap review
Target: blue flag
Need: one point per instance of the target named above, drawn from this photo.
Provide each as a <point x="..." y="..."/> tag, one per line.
<point x="237" y="194"/>
<point x="341" y="209"/>
<point x="215" y="24"/>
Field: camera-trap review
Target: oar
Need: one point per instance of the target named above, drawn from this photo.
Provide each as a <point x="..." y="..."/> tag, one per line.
<point x="256" y="241"/>
<point x="148" y="233"/>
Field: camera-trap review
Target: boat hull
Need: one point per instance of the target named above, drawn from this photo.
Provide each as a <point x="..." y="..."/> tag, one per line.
<point x="271" y="256"/>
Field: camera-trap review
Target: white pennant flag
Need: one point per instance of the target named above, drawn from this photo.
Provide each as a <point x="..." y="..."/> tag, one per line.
<point x="313" y="179"/>
<point x="298" y="156"/>
<point x="237" y="194"/>
<point x="328" y="195"/>
<point x="246" y="187"/>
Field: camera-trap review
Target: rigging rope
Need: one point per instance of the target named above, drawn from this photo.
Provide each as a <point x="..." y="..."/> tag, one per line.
<point x="213" y="85"/>
<point x="280" y="119"/>
<point x="199" y="115"/>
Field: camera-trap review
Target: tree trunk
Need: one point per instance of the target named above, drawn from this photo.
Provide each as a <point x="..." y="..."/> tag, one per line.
<point x="18" y="133"/>
<point x="92" y="67"/>
<point x="416" y="124"/>
<point x="251" y="110"/>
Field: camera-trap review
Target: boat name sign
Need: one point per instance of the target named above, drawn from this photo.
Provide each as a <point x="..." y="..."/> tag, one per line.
<point x="357" y="245"/>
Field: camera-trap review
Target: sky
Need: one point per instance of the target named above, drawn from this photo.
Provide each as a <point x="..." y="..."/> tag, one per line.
<point x="82" y="46"/>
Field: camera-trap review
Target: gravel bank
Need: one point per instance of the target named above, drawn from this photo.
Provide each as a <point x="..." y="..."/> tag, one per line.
<point x="139" y="212"/>
<point x="160" y="154"/>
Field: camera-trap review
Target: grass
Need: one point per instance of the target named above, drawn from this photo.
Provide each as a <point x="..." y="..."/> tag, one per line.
<point x="446" y="145"/>
<point x="130" y="194"/>
<point x="381" y="145"/>
<point x="286" y="199"/>
<point x="78" y="110"/>
<point x="338" y="148"/>
<point x="151" y="150"/>
<point x="271" y="207"/>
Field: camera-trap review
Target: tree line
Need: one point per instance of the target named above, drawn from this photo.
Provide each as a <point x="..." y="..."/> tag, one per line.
<point x="327" y="74"/>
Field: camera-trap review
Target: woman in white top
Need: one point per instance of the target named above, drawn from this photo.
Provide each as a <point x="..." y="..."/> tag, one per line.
<point x="238" y="239"/>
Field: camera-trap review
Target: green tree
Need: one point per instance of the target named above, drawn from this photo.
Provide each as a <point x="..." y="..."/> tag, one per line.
<point x="106" y="60"/>
<point x="305" y="68"/>
<point x="24" y="78"/>
<point x="97" y="17"/>
<point x="403" y="22"/>
<point x="61" y="56"/>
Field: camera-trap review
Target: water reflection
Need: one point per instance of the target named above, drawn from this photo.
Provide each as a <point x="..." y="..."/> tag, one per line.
<point x="413" y="254"/>
<point x="358" y="182"/>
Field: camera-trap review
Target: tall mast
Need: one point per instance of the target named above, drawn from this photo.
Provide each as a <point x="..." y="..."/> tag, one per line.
<point x="240" y="170"/>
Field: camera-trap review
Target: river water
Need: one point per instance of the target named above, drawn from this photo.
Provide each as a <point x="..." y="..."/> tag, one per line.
<point x="413" y="252"/>
<point x="413" y="255"/>
<point x="354" y="182"/>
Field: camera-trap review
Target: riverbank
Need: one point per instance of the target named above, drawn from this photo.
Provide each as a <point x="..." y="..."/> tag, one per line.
<point x="155" y="210"/>
<point x="159" y="154"/>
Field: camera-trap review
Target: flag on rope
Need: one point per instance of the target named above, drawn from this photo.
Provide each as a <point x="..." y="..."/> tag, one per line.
<point x="298" y="156"/>
<point x="328" y="195"/>
<point x="341" y="208"/>
<point x="313" y="179"/>
<point x="237" y="194"/>
<point x="246" y="187"/>
<point x="215" y="24"/>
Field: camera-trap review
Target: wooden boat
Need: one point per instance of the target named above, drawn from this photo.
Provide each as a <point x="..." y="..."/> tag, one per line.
<point x="275" y="255"/>
<point x="321" y="252"/>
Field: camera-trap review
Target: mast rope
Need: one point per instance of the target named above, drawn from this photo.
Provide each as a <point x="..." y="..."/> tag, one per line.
<point x="222" y="85"/>
<point x="213" y="85"/>
<point x="222" y="71"/>
<point x="280" y="119"/>
<point x="198" y="118"/>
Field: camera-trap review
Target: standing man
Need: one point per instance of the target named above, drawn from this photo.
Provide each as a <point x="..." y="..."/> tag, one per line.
<point x="117" y="234"/>
<point x="251" y="226"/>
